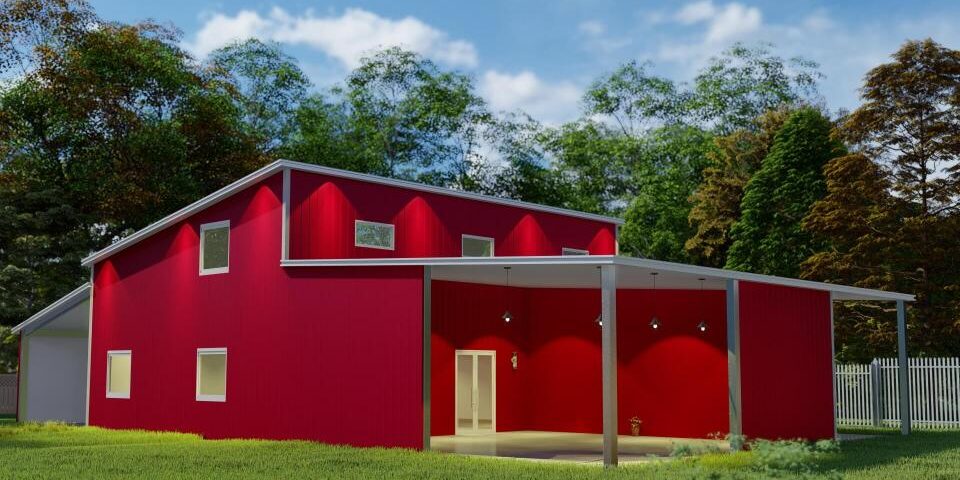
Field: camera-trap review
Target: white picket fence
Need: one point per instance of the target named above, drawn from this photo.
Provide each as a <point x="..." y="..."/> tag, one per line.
<point x="870" y="394"/>
<point x="8" y="393"/>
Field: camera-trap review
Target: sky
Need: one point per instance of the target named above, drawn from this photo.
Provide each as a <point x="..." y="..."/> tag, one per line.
<point x="539" y="56"/>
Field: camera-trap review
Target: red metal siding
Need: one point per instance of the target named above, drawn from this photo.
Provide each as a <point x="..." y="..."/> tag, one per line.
<point x="323" y="211"/>
<point x="674" y="378"/>
<point x="785" y="362"/>
<point x="323" y="354"/>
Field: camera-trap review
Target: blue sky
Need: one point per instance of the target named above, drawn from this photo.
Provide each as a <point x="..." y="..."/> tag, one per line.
<point x="539" y="56"/>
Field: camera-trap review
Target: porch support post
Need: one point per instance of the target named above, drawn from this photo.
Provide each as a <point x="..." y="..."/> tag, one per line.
<point x="833" y="370"/>
<point x="903" y="368"/>
<point x="733" y="360"/>
<point x="608" y="312"/>
<point x="425" y="361"/>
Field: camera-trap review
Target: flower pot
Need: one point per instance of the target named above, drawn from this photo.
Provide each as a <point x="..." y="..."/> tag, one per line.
<point x="635" y="430"/>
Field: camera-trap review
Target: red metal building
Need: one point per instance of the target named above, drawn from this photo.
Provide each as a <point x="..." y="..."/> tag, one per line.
<point x="303" y="302"/>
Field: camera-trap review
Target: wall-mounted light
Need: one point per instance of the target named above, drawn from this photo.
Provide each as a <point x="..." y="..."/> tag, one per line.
<point x="507" y="316"/>
<point x="702" y="326"/>
<point x="655" y="323"/>
<point x="599" y="320"/>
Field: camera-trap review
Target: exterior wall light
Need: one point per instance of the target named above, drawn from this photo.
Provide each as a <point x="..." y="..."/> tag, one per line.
<point x="702" y="326"/>
<point x="599" y="320"/>
<point x="507" y="316"/>
<point x="655" y="323"/>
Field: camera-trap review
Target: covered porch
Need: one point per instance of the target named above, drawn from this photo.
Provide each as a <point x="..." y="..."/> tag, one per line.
<point x="557" y="356"/>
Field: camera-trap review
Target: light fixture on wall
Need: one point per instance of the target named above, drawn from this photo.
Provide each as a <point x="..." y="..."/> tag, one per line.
<point x="507" y="316"/>
<point x="654" y="321"/>
<point x="599" y="320"/>
<point x="702" y="326"/>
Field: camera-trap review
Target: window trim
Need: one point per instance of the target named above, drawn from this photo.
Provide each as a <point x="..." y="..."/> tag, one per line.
<point x="568" y="251"/>
<point x="493" y="244"/>
<point x="110" y="394"/>
<point x="203" y="230"/>
<point x="393" y="236"/>
<point x="212" y="351"/>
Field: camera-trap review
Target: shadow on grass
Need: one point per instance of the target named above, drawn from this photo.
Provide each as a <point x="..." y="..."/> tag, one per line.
<point x="889" y="448"/>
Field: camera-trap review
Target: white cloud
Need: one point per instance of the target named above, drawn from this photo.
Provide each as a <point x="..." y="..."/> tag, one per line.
<point x="593" y="28"/>
<point x="724" y="24"/>
<point x="551" y="103"/>
<point x="346" y="37"/>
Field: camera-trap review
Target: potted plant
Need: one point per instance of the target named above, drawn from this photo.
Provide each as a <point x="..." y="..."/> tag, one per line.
<point x="635" y="426"/>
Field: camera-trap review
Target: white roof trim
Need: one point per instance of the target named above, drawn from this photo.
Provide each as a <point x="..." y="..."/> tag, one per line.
<point x="53" y="310"/>
<point x="681" y="268"/>
<point x="280" y="165"/>
<point x="363" y="177"/>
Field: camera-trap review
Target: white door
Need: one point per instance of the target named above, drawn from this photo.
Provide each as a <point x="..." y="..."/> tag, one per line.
<point x="476" y="392"/>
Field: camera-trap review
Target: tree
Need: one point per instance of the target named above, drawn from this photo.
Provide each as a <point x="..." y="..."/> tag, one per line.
<point x="768" y="237"/>
<point x="907" y="125"/>
<point x="411" y="120"/>
<point x="716" y="201"/>
<point x="269" y="87"/>
<point x="634" y="100"/>
<point x="858" y="220"/>
<point x="670" y="166"/>
<point x="745" y="82"/>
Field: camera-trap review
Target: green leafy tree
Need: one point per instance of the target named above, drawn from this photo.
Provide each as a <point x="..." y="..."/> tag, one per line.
<point x="269" y="88"/>
<point x="671" y="162"/>
<point x="768" y="237"/>
<point x="412" y="120"/>
<point x="745" y="82"/>
<point x="716" y="201"/>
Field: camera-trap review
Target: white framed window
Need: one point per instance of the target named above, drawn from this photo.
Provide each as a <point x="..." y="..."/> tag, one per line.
<point x="474" y="246"/>
<point x="573" y="251"/>
<point x="215" y="248"/>
<point x="119" y="367"/>
<point x="373" y="234"/>
<point x="211" y="374"/>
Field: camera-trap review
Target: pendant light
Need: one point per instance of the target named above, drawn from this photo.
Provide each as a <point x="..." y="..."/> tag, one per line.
<point x="507" y="316"/>
<point x="702" y="326"/>
<point x="599" y="320"/>
<point x="654" y="321"/>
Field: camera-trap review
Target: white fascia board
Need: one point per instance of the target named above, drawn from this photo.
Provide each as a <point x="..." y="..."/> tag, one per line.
<point x="693" y="270"/>
<point x="184" y="213"/>
<point x="49" y="313"/>
<point x="759" y="278"/>
<point x="407" y="185"/>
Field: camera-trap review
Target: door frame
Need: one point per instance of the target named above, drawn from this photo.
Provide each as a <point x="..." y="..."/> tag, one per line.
<point x="456" y="389"/>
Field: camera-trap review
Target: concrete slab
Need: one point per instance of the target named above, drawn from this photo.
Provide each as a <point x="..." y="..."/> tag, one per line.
<point x="565" y="446"/>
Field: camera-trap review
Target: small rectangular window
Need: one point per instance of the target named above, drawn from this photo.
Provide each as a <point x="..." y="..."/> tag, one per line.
<point x="119" y="363"/>
<point x="474" y="246"/>
<point x="574" y="251"/>
<point x="215" y="247"/>
<point x="373" y="235"/>
<point x="211" y="374"/>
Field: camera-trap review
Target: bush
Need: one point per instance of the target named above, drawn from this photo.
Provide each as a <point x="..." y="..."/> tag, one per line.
<point x="794" y="456"/>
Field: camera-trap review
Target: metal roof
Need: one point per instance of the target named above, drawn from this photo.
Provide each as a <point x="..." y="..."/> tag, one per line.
<point x="569" y="272"/>
<point x="55" y="309"/>
<point x="280" y="165"/>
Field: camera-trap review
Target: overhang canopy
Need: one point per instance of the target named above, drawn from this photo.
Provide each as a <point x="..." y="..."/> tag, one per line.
<point x="582" y="272"/>
<point x="57" y="315"/>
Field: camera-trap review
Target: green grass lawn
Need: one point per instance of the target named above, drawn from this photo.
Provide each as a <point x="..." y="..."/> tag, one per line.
<point x="57" y="451"/>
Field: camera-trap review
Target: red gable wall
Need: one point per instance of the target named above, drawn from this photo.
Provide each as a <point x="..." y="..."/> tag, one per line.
<point x="324" y="208"/>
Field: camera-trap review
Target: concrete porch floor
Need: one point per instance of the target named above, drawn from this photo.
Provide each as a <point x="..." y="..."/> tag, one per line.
<point x="563" y="446"/>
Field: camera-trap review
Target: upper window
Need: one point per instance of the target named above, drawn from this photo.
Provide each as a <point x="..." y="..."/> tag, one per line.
<point x="119" y="363"/>
<point x="215" y="247"/>
<point x="373" y="235"/>
<point x="474" y="246"/>
<point x="211" y="374"/>
<point x="574" y="251"/>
